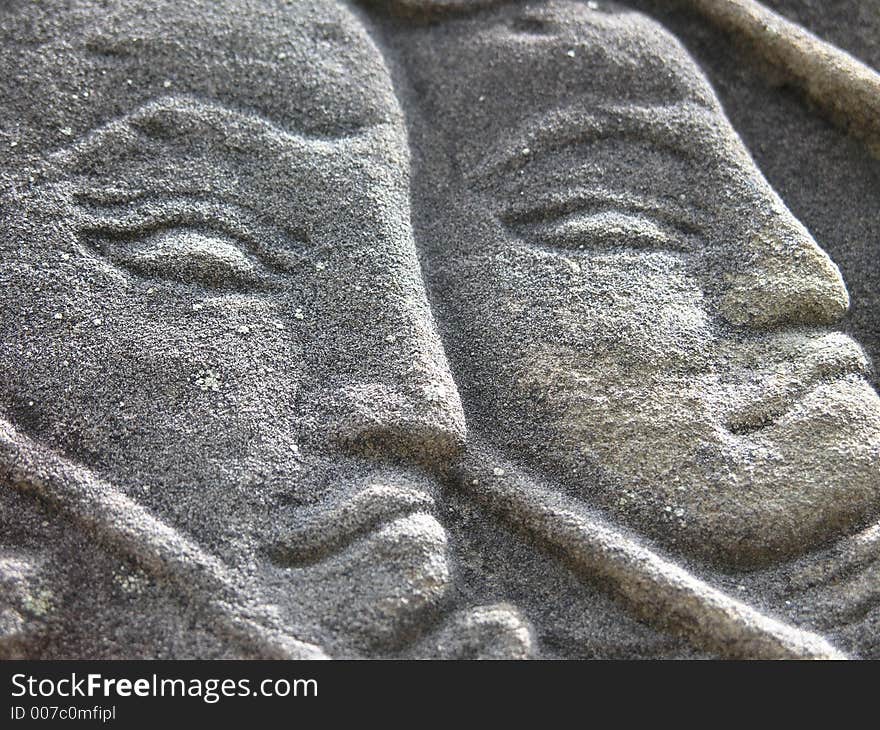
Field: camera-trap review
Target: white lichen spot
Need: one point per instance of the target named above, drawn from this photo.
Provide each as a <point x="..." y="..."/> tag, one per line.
<point x="391" y="339"/>
<point x="198" y="306"/>
<point x="97" y="321"/>
<point x="166" y="84"/>
<point x="570" y="53"/>
<point x="65" y="256"/>
<point x="244" y="330"/>
<point x="58" y="315"/>
<point x="435" y="392"/>
<point x="67" y="131"/>
<point x="207" y="380"/>
<point x="298" y="313"/>
<point x="320" y="266"/>
<point x="498" y="471"/>
<point x="38" y="603"/>
<point x="132" y="583"/>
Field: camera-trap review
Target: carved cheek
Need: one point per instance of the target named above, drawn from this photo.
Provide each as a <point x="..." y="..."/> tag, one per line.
<point x="140" y="368"/>
<point x="639" y="307"/>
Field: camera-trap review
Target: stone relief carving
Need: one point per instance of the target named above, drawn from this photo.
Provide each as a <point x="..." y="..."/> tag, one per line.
<point x="420" y="329"/>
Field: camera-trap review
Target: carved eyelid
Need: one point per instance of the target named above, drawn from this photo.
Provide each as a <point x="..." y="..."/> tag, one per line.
<point x="660" y="231"/>
<point x="114" y="215"/>
<point x="117" y="212"/>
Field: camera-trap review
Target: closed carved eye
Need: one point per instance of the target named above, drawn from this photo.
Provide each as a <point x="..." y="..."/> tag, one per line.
<point x="596" y="224"/>
<point x="190" y="241"/>
<point x="605" y="229"/>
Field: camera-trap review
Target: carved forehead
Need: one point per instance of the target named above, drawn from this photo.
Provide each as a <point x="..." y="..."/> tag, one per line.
<point x="308" y="66"/>
<point x="541" y="52"/>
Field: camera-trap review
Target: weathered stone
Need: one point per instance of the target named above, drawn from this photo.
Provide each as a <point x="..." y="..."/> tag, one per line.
<point x="416" y="328"/>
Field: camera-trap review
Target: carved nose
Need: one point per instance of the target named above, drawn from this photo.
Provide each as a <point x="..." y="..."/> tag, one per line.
<point x="788" y="280"/>
<point x="388" y="390"/>
<point x="416" y="413"/>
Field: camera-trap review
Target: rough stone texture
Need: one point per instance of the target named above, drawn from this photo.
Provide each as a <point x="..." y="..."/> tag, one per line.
<point x="834" y="80"/>
<point x="430" y="329"/>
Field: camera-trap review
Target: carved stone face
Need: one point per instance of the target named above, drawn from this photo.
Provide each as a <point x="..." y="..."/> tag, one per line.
<point x="630" y="310"/>
<point x="210" y="294"/>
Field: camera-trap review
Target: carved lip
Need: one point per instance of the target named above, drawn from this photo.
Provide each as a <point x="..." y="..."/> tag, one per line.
<point x="763" y="413"/>
<point x="330" y="529"/>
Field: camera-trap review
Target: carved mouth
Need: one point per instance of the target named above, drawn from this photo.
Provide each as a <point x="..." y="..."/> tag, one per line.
<point x="764" y="413"/>
<point x="756" y="420"/>
<point x="331" y="529"/>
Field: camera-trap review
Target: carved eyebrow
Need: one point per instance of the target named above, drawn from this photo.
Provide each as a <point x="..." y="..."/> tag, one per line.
<point x="168" y="112"/>
<point x="668" y="128"/>
<point x="175" y="117"/>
